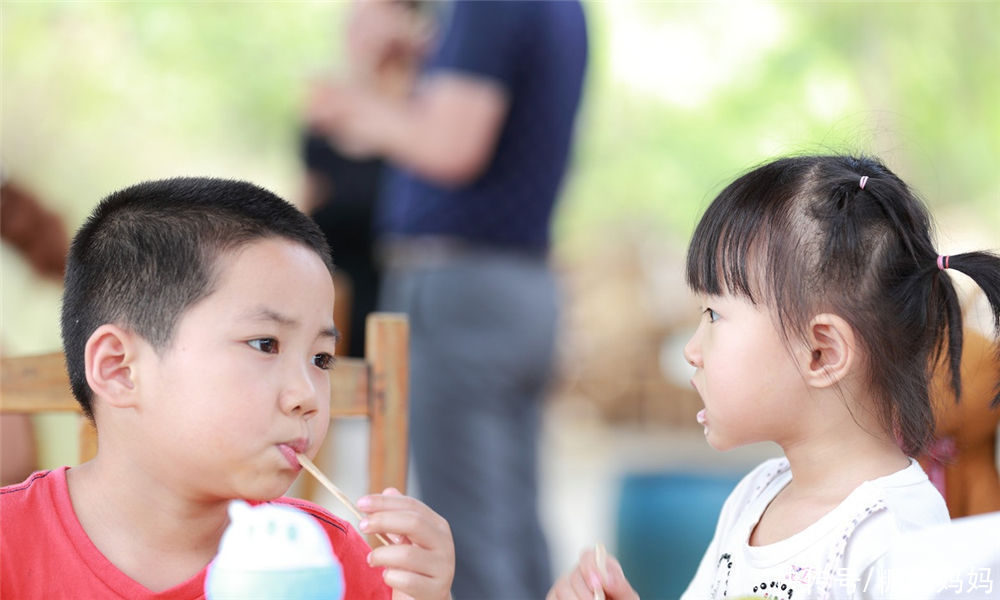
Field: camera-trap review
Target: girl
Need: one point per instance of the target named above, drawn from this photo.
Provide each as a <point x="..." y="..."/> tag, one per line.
<point x="825" y="310"/>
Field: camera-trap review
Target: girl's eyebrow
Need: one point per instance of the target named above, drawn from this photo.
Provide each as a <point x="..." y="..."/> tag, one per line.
<point x="264" y="313"/>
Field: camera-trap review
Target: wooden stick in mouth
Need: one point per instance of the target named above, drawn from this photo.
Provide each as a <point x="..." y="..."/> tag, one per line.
<point x="333" y="489"/>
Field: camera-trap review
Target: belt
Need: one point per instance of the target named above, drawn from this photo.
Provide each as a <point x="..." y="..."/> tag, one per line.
<point x="435" y="251"/>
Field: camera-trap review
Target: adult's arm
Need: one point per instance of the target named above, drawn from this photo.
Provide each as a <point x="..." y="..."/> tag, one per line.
<point x="446" y="132"/>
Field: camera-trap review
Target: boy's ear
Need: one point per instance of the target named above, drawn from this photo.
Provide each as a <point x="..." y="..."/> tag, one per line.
<point x="109" y="359"/>
<point x="832" y="350"/>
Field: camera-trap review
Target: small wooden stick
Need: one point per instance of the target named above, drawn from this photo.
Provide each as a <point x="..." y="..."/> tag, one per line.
<point x="339" y="495"/>
<point x="600" y="557"/>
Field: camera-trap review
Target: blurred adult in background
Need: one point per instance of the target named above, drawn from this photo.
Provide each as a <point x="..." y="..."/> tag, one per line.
<point x="39" y="236"/>
<point x="478" y="153"/>
<point x="384" y="41"/>
<point x="340" y="194"/>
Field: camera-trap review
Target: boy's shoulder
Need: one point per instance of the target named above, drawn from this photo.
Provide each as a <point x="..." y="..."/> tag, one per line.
<point x="329" y="521"/>
<point x="41" y="490"/>
<point x="42" y="536"/>
<point x="43" y="543"/>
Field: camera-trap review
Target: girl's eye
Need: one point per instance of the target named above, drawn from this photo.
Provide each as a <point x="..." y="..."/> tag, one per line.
<point x="268" y="345"/>
<point x="712" y="315"/>
<point x="324" y="361"/>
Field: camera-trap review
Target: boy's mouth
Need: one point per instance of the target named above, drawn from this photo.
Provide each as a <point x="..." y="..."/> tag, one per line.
<point x="290" y="449"/>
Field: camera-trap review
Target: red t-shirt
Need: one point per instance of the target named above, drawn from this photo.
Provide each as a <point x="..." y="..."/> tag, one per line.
<point x="45" y="553"/>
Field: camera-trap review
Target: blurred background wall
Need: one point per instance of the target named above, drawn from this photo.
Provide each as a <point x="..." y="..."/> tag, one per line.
<point x="681" y="97"/>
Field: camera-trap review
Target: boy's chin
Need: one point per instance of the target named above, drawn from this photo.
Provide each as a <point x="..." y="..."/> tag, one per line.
<point x="259" y="497"/>
<point x="263" y="492"/>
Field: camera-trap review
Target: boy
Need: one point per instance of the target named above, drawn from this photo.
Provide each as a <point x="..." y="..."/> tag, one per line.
<point x="198" y="331"/>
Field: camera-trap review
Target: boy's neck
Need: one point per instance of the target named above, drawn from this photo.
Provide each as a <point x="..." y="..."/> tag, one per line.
<point x="150" y="533"/>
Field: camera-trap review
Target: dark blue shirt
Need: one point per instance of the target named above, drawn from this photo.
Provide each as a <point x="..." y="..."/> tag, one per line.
<point x="537" y="52"/>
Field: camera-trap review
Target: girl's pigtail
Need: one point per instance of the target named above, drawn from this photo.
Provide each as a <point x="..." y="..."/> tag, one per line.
<point x="984" y="269"/>
<point x="949" y="337"/>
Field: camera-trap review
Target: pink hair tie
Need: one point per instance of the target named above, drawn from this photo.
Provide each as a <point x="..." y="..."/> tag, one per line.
<point x="864" y="180"/>
<point x="942" y="262"/>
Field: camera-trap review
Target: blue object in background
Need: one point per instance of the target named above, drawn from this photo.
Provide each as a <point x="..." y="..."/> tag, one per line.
<point x="665" y="522"/>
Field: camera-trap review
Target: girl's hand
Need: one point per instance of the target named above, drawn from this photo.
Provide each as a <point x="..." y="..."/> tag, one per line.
<point x="580" y="583"/>
<point x="420" y="563"/>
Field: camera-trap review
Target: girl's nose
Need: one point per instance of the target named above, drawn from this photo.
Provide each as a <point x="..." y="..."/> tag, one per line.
<point x="692" y="350"/>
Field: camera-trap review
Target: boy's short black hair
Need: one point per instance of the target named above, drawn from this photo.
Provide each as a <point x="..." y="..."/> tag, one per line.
<point x="150" y="251"/>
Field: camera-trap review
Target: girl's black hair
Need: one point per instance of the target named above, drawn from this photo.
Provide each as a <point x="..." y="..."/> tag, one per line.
<point x="802" y="236"/>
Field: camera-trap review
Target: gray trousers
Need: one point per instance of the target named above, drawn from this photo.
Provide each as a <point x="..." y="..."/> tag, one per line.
<point x="482" y="336"/>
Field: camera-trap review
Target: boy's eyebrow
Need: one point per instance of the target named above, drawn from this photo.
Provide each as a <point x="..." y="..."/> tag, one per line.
<point x="266" y="314"/>
<point x="331" y="332"/>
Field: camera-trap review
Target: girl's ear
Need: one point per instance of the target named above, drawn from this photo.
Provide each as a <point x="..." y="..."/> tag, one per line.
<point x="833" y="351"/>
<point x="109" y="359"/>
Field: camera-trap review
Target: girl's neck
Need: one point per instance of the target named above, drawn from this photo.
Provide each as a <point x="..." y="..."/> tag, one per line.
<point x="840" y="442"/>
<point x="835" y="462"/>
<point x="823" y="475"/>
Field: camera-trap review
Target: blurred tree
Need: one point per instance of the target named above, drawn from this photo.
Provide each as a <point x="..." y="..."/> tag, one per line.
<point x="681" y="97"/>
<point x="914" y="84"/>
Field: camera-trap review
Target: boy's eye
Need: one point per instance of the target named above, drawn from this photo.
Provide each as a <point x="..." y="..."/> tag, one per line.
<point x="324" y="361"/>
<point x="268" y="345"/>
<point x="712" y="315"/>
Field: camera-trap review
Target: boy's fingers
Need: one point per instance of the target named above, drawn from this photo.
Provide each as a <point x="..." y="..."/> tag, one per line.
<point x="416" y="528"/>
<point x="410" y="558"/>
<point x="414" y="571"/>
<point x="389" y="501"/>
<point x="424" y="528"/>
<point x="395" y="538"/>
<point x="412" y="584"/>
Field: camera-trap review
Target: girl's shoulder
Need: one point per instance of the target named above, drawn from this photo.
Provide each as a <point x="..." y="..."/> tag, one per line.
<point x="766" y="479"/>
<point x="771" y="468"/>
<point x="753" y="493"/>
<point x="880" y="511"/>
<point x="909" y="498"/>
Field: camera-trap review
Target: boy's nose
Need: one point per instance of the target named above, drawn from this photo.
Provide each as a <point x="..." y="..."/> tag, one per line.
<point x="299" y="394"/>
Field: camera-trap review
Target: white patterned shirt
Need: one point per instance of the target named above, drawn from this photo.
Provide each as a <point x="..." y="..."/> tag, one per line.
<point x="831" y="558"/>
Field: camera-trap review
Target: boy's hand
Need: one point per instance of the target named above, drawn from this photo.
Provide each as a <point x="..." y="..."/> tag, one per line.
<point x="582" y="581"/>
<point x="420" y="563"/>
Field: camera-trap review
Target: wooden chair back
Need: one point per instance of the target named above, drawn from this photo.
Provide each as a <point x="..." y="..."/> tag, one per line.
<point x="375" y="388"/>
